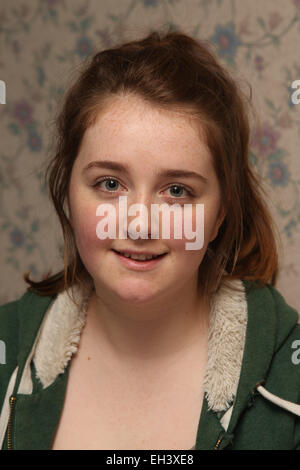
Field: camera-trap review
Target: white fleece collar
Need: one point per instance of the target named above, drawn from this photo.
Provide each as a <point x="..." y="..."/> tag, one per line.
<point x="59" y="338"/>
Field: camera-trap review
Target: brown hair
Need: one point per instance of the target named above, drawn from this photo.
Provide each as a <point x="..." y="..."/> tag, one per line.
<point x="174" y="71"/>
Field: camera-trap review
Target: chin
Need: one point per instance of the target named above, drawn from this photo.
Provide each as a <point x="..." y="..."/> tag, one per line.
<point x="136" y="297"/>
<point x="136" y="292"/>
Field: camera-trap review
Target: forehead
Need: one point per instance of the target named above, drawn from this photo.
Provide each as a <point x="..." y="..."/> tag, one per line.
<point x="129" y="129"/>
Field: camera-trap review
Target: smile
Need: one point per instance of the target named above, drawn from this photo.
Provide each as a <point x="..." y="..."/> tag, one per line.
<point x="139" y="257"/>
<point x="139" y="262"/>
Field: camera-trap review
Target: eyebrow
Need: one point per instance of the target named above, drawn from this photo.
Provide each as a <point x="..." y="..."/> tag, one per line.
<point x="124" y="168"/>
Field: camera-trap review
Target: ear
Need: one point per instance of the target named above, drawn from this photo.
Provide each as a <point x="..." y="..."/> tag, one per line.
<point x="218" y="223"/>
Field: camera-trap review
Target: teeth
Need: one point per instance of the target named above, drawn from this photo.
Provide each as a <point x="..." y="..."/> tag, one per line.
<point x="139" y="257"/>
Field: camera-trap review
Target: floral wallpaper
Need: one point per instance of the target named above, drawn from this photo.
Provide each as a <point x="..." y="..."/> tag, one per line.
<point x="42" y="43"/>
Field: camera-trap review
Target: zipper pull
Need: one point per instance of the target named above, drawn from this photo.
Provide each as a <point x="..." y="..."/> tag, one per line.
<point x="228" y="440"/>
<point x="219" y="441"/>
<point x="12" y="402"/>
<point x="217" y="444"/>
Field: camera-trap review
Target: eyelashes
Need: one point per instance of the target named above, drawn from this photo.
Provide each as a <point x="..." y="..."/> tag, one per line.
<point x="106" y="179"/>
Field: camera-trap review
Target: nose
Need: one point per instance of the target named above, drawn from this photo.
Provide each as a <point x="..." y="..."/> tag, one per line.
<point x="139" y="220"/>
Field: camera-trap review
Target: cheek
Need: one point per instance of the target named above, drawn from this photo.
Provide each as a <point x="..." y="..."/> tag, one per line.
<point x="197" y="226"/>
<point x="186" y="260"/>
<point x="188" y="229"/>
<point x="87" y="242"/>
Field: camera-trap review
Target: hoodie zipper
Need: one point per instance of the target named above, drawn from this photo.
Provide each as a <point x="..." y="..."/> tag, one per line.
<point x="217" y="444"/>
<point x="220" y="439"/>
<point x="12" y="402"/>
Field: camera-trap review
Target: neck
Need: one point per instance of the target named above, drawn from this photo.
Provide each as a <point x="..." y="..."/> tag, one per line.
<point x="156" y="332"/>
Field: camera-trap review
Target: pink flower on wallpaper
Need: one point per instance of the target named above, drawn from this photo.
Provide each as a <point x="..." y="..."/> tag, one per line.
<point x="264" y="139"/>
<point x="17" y="237"/>
<point x="16" y="47"/>
<point x="274" y="19"/>
<point x="297" y="3"/>
<point x="278" y="174"/>
<point x="22" y="112"/>
<point x="24" y="10"/>
<point x="285" y="121"/>
<point x="84" y="46"/>
<point x="259" y="63"/>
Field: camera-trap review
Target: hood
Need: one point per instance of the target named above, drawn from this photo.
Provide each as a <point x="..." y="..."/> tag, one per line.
<point x="60" y="336"/>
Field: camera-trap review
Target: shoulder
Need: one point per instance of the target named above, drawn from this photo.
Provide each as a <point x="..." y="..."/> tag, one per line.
<point x="281" y="303"/>
<point x="271" y="299"/>
<point x="13" y="311"/>
<point x="276" y="335"/>
<point x="19" y="322"/>
<point x="275" y="330"/>
<point x="9" y="315"/>
<point x="9" y="341"/>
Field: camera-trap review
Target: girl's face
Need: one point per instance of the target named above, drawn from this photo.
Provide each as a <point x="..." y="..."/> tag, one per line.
<point x="149" y="142"/>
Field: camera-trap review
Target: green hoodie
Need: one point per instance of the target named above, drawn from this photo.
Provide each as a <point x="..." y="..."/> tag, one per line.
<point x="251" y="385"/>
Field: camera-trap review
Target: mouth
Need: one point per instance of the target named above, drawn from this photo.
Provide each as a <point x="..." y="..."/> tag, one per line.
<point x="138" y="264"/>
<point x="141" y="258"/>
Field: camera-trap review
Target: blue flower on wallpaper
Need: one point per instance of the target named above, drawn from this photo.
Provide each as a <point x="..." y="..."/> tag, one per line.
<point x="264" y="139"/>
<point x="84" y="47"/>
<point x="34" y="141"/>
<point x="16" y="237"/>
<point x="33" y="270"/>
<point x="278" y="174"/>
<point x="226" y="40"/>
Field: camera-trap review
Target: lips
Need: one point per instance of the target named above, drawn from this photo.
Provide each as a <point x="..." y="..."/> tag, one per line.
<point x="139" y="265"/>
<point x="139" y="256"/>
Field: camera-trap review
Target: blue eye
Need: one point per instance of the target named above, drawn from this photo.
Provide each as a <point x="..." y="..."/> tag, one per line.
<point x="106" y="180"/>
<point x="112" y="187"/>
<point x="180" y="189"/>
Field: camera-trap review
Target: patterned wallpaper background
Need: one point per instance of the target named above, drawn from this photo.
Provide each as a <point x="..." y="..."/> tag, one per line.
<point x="42" y="43"/>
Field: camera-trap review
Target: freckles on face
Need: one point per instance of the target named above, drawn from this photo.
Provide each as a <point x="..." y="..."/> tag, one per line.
<point x="199" y="227"/>
<point x="130" y="136"/>
<point x="186" y="234"/>
<point x="84" y="222"/>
